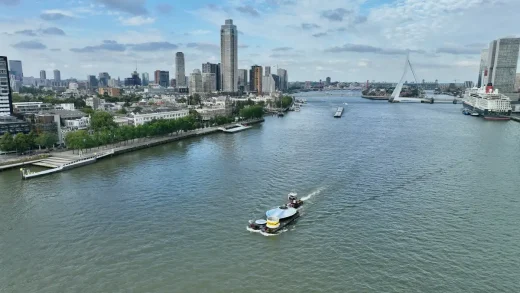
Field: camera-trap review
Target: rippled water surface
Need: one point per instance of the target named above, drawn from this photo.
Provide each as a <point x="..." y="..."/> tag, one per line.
<point x="403" y="198"/>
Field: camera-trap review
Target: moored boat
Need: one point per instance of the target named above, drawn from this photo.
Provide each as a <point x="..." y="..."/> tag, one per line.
<point x="488" y="103"/>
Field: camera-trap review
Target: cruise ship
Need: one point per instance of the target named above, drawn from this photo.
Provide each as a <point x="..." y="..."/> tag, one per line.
<point x="488" y="103"/>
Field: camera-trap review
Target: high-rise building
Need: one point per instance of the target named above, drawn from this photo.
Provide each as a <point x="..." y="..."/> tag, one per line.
<point x="255" y="79"/>
<point x="173" y="82"/>
<point x="162" y="78"/>
<point x="195" y="82"/>
<point x="209" y="82"/>
<point x="517" y="83"/>
<point x="113" y="83"/>
<point x="267" y="70"/>
<point x="15" y="67"/>
<point x="229" y="56"/>
<point x="92" y="82"/>
<point x="213" y="68"/>
<point x="104" y="77"/>
<point x="6" y="99"/>
<point x="43" y="74"/>
<point x="483" y="67"/>
<point x="284" y="83"/>
<point x="505" y="61"/>
<point x="180" y="73"/>
<point x="327" y="81"/>
<point x="491" y="59"/>
<point x="468" y="84"/>
<point x="145" y="78"/>
<point x="242" y="80"/>
<point x="57" y="75"/>
<point x="268" y="84"/>
<point x="134" y="80"/>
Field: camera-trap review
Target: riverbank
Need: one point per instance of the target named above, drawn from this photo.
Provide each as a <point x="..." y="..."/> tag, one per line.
<point x="120" y="148"/>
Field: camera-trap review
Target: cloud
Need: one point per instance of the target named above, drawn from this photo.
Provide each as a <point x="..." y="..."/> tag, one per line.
<point x="107" y="45"/>
<point x="335" y="14"/>
<point x="309" y="26"/>
<point x="134" y="7"/>
<point x="26" y="33"/>
<point x="53" y="31"/>
<point x="279" y="49"/>
<point x="459" y="51"/>
<point x="30" y="45"/>
<point x="55" y="14"/>
<point x="319" y="35"/>
<point x="203" y="46"/>
<point x="10" y="2"/>
<point x="164" y="8"/>
<point x="153" y="46"/>
<point x="56" y="49"/>
<point x="247" y="9"/>
<point x="243" y="46"/>
<point x="369" y="49"/>
<point x="136" y="20"/>
<point x="197" y="33"/>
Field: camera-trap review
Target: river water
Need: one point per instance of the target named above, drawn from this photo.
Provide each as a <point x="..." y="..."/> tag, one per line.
<point x="402" y="198"/>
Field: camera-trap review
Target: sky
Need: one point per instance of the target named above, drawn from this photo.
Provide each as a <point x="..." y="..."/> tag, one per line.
<point x="348" y="40"/>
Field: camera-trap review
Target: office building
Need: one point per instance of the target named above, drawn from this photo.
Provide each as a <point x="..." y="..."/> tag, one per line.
<point x="517" y="82"/>
<point x="112" y="83"/>
<point x="213" y="68"/>
<point x="57" y="75"/>
<point x="242" y="80"/>
<point x="327" y="81"/>
<point x="145" y="79"/>
<point x="255" y="79"/>
<point x="162" y="78"/>
<point x="43" y="75"/>
<point x="134" y="80"/>
<point x="284" y="82"/>
<point x="140" y="119"/>
<point x="229" y="56"/>
<point x="103" y="78"/>
<point x="196" y="82"/>
<point x="209" y="82"/>
<point x="268" y="84"/>
<point x="483" y="66"/>
<point x="92" y="82"/>
<point x="468" y="84"/>
<point x="503" y="63"/>
<point x="173" y="82"/>
<point x="15" y="68"/>
<point x="267" y="70"/>
<point x="180" y="73"/>
<point x="6" y="99"/>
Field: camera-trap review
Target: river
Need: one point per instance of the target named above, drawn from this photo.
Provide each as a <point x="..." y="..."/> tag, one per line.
<point x="402" y="198"/>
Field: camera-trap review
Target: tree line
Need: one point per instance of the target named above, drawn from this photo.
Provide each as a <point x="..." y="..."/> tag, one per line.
<point x="103" y="130"/>
<point x="23" y="142"/>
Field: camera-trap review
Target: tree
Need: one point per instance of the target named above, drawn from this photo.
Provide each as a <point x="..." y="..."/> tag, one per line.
<point x="6" y="142"/>
<point x="21" y="142"/>
<point x="122" y="111"/>
<point x="46" y="139"/>
<point x="102" y="120"/>
<point x="87" y="110"/>
<point x="138" y="110"/>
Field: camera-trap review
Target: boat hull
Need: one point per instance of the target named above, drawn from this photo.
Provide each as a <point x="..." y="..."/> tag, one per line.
<point x="487" y="115"/>
<point x="382" y="98"/>
<point x="283" y="223"/>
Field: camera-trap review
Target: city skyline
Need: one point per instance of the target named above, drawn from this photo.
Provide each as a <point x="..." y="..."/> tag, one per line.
<point x="311" y="39"/>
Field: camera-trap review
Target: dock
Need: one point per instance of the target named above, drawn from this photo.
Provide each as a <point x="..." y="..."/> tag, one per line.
<point x="339" y="112"/>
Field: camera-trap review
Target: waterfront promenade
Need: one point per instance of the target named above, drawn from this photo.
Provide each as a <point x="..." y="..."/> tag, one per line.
<point x="75" y="158"/>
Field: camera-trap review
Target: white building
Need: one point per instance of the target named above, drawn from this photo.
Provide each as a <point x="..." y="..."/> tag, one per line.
<point x="30" y="107"/>
<point x="209" y="82"/>
<point x="196" y="82"/>
<point x="81" y="123"/>
<point x="268" y="84"/>
<point x="65" y="106"/>
<point x="140" y="119"/>
<point x="229" y="56"/>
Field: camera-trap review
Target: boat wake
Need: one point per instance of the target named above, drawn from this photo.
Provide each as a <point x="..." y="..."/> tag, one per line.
<point x="310" y="195"/>
<point x="264" y="233"/>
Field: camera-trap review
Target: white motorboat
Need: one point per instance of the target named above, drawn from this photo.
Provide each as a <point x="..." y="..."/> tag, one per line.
<point x="234" y="128"/>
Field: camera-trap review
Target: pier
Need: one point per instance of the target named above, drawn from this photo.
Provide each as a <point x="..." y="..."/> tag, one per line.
<point x="339" y="112"/>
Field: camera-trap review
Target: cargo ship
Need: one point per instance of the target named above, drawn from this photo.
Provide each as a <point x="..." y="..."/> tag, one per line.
<point x="488" y="103"/>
